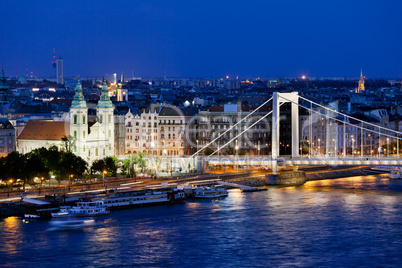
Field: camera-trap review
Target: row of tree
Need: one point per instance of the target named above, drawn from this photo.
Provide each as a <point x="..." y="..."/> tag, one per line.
<point x="44" y="163"/>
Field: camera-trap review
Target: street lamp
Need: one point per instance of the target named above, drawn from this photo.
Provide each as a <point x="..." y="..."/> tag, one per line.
<point x="69" y="183"/>
<point x="41" y="181"/>
<point x="319" y="146"/>
<point x="387" y="147"/>
<point x="10" y="182"/>
<point x="236" y="149"/>
<point x="104" y="173"/>
<point x="371" y="144"/>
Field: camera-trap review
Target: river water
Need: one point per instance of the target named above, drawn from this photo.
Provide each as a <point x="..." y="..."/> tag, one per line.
<point x="348" y="222"/>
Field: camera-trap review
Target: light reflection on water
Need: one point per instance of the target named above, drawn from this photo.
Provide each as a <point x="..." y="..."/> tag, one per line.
<point x="322" y="223"/>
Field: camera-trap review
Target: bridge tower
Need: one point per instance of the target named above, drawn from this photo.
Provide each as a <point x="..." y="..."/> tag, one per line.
<point x="277" y="99"/>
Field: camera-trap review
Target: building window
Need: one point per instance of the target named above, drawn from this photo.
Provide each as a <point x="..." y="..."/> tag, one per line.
<point x="83" y="134"/>
<point x="84" y="148"/>
<point x="75" y="119"/>
<point x="100" y="119"/>
<point x="110" y="147"/>
<point x="75" y="134"/>
<point x="110" y="133"/>
<point x="104" y="151"/>
<point x="110" y="118"/>
<point x="83" y="119"/>
<point x="96" y="151"/>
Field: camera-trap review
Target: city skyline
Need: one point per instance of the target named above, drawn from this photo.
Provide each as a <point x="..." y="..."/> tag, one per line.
<point x="203" y="39"/>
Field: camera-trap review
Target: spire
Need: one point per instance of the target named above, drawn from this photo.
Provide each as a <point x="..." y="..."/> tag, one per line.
<point x="79" y="100"/>
<point x="104" y="100"/>
<point x="122" y="78"/>
<point x="3" y="80"/>
<point x="361" y="73"/>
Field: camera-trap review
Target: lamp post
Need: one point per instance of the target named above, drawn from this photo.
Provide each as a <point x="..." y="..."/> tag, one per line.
<point x="69" y="183"/>
<point x="371" y="150"/>
<point x="10" y="182"/>
<point x="196" y="155"/>
<point x="41" y="181"/>
<point x="387" y="147"/>
<point x="104" y="173"/>
<point x="236" y="149"/>
<point x="319" y="148"/>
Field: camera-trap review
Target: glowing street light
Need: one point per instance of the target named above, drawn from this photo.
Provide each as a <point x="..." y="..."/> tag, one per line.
<point x="104" y="173"/>
<point x="10" y="182"/>
<point x="387" y="147"/>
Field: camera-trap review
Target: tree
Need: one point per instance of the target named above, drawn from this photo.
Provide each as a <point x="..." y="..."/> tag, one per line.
<point x="158" y="163"/>
<point x="108" y="163"/>
<point x="68" y="143"/>
<point x="141" y="161"/>
<point x="16" y="165"/>
<point x="129" y="163"/>
<point x="71" y="164"/>
<point x="230" y="151"/>
<point x="208" y="151"/>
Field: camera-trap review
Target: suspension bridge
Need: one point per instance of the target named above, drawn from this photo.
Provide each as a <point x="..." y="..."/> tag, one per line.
<point x="343" y="139"/>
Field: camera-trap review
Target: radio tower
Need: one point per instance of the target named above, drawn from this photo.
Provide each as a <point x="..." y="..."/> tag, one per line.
<point x="54" y="63"/>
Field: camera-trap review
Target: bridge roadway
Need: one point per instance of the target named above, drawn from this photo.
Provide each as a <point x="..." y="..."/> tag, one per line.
<point x="267" y="161"/>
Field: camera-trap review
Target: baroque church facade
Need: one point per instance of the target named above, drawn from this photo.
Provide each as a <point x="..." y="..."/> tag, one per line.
<point x="92" y="141"/>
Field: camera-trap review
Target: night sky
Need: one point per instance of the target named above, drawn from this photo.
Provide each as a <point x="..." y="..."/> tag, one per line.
<point x="203" y="38"/>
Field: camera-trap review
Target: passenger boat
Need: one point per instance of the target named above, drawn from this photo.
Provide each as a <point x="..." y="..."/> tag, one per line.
<point x="396" y="173"/>
<point x="72" y="224"/>
<point x="64" y="212"/>
<point x="38" y="209"/>
<point x="132" y="199"/>
<point x="83" y="209"/>
<point x="210" y="192"/>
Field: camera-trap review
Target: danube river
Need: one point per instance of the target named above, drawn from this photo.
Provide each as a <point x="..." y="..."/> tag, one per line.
<point x="353" y="222"/>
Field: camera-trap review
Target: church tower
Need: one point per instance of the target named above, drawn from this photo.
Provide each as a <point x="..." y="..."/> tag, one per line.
<point x="361" y="82"/>
<point x="122" y="91"/>
<point x="105" y="112"/>
<point x="3" y="87"/>
<point x="79" y="121"/>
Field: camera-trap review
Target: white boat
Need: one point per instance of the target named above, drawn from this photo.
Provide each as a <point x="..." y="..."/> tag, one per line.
<point x="64" y="212"/>
<point x="210" y="192"/>
<point x="72" y="224"/>
<point x="396" y="173"/>
<point x="132" y="199"/>
<point x="83" y="209"/>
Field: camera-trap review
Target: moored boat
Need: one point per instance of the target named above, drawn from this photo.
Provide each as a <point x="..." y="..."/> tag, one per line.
<point x="396" y="173"/>
<point x="132" y="199"/>
<point x="38" y="209"/>
<point x="210" y="192"/>
<point x="83" y="209"/>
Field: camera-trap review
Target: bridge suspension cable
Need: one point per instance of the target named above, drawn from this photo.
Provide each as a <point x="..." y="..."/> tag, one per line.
<point x="243" y="132"/>
<point x="348" y="116"/>
<point x="347" y="123"/>
<point x="230" y="128"/>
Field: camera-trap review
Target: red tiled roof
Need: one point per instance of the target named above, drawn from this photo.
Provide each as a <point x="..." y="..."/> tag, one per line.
<point x="45" y="130"/>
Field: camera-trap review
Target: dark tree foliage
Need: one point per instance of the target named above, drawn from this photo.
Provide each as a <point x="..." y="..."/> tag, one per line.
<point x="107" y="163"/>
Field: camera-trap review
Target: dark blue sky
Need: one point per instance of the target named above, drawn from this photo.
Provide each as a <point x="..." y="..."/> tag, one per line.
<point x="204" y="38"/>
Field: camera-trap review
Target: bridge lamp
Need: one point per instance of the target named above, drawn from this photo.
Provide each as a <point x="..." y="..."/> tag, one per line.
<point x="319" y="146"/>
<point x="387" y="146"/>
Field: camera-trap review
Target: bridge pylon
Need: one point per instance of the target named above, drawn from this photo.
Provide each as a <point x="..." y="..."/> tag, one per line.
<point x="277" y="100"/>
